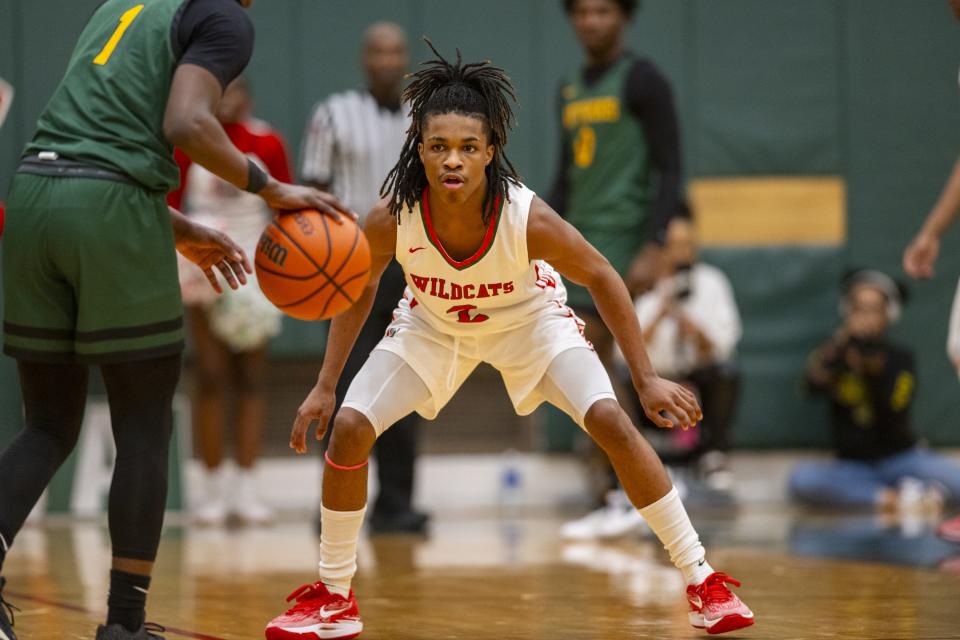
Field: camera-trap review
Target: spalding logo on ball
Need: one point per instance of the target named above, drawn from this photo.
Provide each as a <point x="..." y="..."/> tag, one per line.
<point x="310" y="266"/>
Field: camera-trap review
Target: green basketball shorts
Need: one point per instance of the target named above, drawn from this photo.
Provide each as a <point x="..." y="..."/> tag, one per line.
<point x="89" y="272"/>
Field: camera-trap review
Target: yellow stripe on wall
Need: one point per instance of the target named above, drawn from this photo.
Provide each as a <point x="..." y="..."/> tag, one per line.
<point x="771" y="210"/>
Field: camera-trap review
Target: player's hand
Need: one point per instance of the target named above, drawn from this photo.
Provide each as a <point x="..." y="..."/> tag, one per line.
<point x="659" y="395"/>
<point x="921" y="255"/>
<point x="282" y="196"/>
<point x="318" y="407"/>
<point x="210" y="249"/>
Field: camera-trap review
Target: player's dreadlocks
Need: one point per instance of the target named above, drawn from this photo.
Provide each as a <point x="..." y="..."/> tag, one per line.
<point x="478" y="90"/>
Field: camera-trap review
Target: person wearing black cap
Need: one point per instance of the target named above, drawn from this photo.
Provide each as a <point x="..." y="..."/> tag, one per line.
<point x="870" y="382"/>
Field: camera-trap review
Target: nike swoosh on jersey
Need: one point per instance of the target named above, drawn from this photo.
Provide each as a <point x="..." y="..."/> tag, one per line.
<point x="415" y="249"/>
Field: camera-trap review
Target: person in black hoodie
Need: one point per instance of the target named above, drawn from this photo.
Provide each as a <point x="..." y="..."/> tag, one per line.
<point x="870" y="382"/>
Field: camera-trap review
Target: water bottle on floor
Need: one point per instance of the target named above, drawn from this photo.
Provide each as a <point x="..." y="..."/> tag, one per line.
<point x="510" y="498"/>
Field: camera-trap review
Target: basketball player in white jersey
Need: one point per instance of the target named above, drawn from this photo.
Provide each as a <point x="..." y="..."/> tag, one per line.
<point x="481" y="255"/>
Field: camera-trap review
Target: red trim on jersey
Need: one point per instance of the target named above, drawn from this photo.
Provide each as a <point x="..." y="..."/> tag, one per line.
<point x="435" y="239"/>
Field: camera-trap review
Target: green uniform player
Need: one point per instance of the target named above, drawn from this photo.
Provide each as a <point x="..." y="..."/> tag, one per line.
<point x="609" y="171"/>
<point x="619" y="179"/>
<point x="89" y="266"/>
<point x="88" y="262"/>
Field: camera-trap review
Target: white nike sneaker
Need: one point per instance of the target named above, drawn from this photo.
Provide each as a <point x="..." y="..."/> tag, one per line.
<point x="617" y="519"/>
<point x="212" y="510"/>
<point x="247" y="505"/>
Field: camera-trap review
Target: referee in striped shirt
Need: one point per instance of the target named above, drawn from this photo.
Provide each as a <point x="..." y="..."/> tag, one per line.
<point x="353" y="140"/>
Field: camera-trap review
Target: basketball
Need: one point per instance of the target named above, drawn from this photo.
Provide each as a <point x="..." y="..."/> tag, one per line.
<point x="310" y="266"/>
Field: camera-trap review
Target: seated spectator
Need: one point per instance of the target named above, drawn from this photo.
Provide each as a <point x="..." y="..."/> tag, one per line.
<point x="691" y="327"/>
<point x="870" y="382"/>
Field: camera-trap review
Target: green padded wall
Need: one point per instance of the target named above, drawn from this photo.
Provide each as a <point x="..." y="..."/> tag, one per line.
<point x="864" y="90"/>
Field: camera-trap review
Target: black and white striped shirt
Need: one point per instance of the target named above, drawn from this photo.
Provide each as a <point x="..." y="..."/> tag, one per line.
<point x="351" y="145"/>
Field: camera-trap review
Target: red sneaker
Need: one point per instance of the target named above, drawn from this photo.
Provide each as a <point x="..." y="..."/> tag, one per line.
<point x="317" y="614"/>
<point x="950" y="530"/>
<point x="715" y="608"/>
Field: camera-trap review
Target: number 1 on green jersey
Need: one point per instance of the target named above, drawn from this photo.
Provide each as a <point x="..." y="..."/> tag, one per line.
<point x="125" y="21"/>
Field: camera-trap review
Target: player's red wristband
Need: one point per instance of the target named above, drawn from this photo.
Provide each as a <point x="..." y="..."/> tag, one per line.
<point x="326" y="456"/>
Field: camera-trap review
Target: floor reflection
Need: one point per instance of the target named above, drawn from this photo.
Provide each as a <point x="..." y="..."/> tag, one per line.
<point x="478" y="577"/>
<point x="892" y="539"/>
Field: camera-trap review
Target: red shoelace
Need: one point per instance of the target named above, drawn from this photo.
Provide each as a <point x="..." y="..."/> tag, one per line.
<point x="305" y="594"/>
<point x="714" y="588"/>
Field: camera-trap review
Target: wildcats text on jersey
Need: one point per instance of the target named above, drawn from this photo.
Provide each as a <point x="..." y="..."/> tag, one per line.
<point x="500" y="288"/>
<point x="440" y="288"/>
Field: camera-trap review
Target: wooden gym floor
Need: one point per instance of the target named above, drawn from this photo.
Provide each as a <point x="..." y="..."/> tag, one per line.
<point x="512" y="579"/>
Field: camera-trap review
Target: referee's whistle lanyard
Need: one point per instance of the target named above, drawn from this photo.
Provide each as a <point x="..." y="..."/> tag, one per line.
<point x="452" y="375"/>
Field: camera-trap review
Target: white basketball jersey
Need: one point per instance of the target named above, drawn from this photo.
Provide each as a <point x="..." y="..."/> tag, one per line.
<point x="496" y="288"/>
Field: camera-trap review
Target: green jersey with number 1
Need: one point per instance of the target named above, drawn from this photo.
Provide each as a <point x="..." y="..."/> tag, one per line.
<point x="108" y="109"/>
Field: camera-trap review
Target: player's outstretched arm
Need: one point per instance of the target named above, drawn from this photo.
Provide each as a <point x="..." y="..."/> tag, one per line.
<point x="381" y="231"/>
<point x="551" y="238"/>
<point x="208" y="248"/>
<point x="190" y="123"/>
<point x="921" y="254"/>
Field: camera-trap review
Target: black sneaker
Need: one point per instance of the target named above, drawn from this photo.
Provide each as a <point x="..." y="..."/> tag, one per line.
<point x="6" y="615"/>
<point x="406" y="522"/>
<point x="119" y="632"/>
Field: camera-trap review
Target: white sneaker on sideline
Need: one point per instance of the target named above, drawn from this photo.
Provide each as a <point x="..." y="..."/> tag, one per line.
<point x="715" y="471"/>
<point x="247" y="505"/>
<point x="618" y="518"/>
<point x="212" y="506"/>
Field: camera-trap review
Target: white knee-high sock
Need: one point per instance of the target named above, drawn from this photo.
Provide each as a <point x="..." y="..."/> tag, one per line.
<point x="668" y="519"/>
<point x="340" y="532"/>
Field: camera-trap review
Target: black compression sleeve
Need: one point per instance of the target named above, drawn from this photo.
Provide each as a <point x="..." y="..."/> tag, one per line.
<point x="650" y="99"/>
<point x="216" y="35"/>
<point x="558" y="192"/>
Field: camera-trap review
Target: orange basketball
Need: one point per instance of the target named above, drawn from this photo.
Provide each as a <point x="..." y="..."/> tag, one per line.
<point x="311" y="267"/>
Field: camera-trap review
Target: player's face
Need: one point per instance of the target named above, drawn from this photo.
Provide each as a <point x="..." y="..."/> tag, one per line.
<point x="867" y="316"/>
<point x="246" y="3"/>
<point x="599" y="24"/>
<point x="455" y="153"/>
<point x="955" y="5"/>
<point x="385" y="59"/>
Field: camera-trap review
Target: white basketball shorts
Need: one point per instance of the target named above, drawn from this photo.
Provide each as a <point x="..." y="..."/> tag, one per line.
<point x="418" y="368"/>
